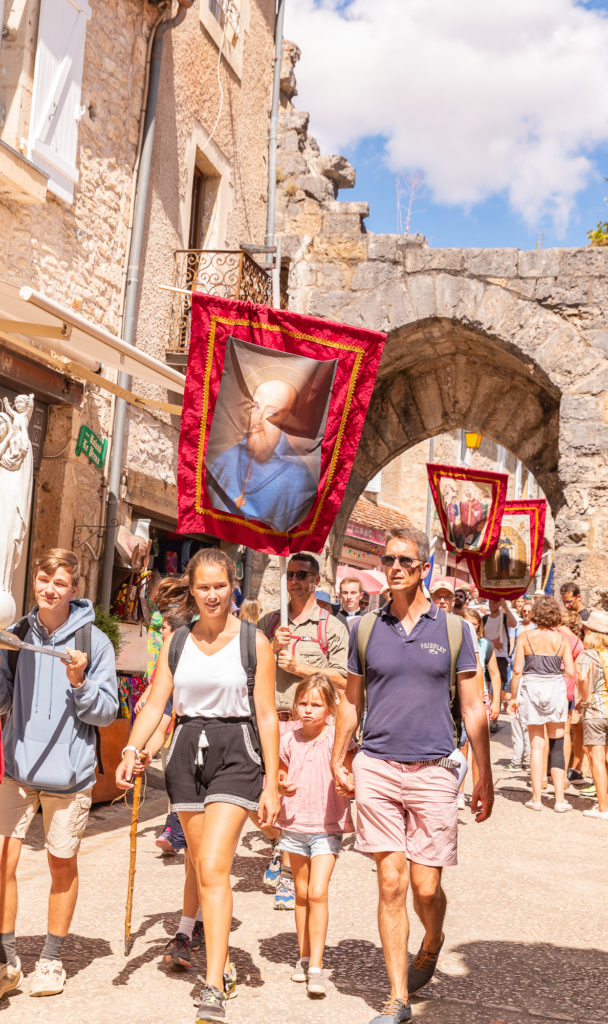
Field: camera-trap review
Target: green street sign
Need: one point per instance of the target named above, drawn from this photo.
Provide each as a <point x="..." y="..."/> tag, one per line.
<point x="92" y="446"/>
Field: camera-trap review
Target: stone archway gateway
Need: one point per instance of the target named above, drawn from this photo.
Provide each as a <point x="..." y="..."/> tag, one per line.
<point x="513" y="344"/>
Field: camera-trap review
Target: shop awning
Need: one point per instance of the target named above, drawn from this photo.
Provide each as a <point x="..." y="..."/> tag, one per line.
<point x="50" y="332"/>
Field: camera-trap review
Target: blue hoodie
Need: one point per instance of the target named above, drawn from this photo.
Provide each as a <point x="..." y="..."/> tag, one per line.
<point x="49" y="739"/>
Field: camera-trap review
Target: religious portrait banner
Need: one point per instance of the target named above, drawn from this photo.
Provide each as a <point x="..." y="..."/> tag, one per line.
<point x="469" y="504"/>
<point x="511" y="566"/>
<point x="273" y="412"/>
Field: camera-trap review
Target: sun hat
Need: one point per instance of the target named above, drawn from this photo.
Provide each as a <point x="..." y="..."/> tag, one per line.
<point x="442" y="583"/>
<point x="597" y="622"/>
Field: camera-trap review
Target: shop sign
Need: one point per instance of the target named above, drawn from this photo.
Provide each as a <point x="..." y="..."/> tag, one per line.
<point x="366" y="533"/>
<point x="92" y="446"/>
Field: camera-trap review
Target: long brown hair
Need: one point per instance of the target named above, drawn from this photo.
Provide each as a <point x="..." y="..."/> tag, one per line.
<point x="175" y="591"/>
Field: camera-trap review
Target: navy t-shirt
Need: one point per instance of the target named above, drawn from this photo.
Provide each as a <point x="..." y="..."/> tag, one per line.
<point x="408" y="686"/>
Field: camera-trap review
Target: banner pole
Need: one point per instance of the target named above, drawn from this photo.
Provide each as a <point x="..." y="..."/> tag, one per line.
<point x="283" y="590"/>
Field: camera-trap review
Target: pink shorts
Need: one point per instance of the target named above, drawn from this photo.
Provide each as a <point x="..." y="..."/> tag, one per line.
<point x="409" y="808"/>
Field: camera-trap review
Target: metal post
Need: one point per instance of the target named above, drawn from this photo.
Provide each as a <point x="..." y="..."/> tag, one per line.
<point x="273" y="134"/>
<point x="283" y="591"/>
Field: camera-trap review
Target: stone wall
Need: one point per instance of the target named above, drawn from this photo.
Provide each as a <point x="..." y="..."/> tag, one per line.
<point x="512" y="344"/>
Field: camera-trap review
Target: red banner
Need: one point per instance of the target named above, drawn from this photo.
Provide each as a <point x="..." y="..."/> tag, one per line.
<point x="470" y="505"/>
<point x="508" y="570"/>
<point x="273" y="412"/>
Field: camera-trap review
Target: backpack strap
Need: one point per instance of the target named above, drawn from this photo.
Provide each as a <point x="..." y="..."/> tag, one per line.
<point x="454" y="627"/>
<point x="322" y="631"/>
<point x="176" y="646"/>
<point x="20" y="630"/>
<point x="249" y="661"/>
<point x="366" y="625"/>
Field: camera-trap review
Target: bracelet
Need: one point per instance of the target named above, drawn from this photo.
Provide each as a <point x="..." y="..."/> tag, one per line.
<point x="130" y="747"/>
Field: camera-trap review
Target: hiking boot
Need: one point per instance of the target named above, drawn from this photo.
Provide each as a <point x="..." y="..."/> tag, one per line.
<point x="394" y="1011"/>
<point x="422" y="968"/>
<point x="178" y="951"/>
<point x="10" y="977"/>
<point x="273" y="871"/>
<point x="211" y="1005"/>
<point x="164" y="843"/>
<point x="198" y="936"/>
<point x="229" y="977"/>
<point x="300" y="971"/>
<point x="285" y="895"/>
<point x="317" y="984"/>
<point x="48" y="978"/>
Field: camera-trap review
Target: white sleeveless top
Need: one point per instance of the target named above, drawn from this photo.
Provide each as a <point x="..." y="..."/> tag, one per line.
<point x="211" y="685"/>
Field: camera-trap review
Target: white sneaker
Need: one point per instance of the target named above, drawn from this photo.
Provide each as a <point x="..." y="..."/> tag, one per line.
<point x="461" y="802"/>
<point x="562" y="808"/>
<point x="300" y="971"/>
<point x="594" y="812"/>
<point x="317" y="983"/>
<point x="10" y="977"/>
<point x="48" y="978"/>
<point x="534" y="805"/>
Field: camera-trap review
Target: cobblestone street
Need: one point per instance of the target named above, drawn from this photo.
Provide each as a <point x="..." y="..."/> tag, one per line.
<point x="526" y="932"/>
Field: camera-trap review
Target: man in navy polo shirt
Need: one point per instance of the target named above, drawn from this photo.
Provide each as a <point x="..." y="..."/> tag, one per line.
<point x="405" y="786"/>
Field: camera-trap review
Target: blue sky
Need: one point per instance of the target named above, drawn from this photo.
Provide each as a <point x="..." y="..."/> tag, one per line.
<point x="503" y="108"/>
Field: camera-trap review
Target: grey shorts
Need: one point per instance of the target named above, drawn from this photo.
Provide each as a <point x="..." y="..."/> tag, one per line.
<point x="595" y="732"/>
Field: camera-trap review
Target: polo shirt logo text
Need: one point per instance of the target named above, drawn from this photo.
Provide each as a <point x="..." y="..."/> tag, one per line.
<point x="433" y="648"/>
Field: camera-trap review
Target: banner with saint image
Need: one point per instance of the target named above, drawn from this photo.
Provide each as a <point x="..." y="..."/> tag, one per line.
<point x="509" y="569"/>
<point x="470" y="505"/>
<point x="274" y="407"/>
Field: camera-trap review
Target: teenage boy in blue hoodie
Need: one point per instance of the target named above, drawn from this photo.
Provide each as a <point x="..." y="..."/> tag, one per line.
<point x="53" y="707"/>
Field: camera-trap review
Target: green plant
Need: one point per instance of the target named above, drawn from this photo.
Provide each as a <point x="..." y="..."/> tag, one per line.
<point x="599" y="234"/>
<point x="108" y="624"/>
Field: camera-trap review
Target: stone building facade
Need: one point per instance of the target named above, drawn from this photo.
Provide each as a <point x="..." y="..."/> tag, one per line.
<point x="66" y="207"/>
<point x="512" y="344"/>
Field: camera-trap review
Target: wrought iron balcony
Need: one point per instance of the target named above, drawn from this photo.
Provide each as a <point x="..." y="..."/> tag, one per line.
<point x="231" y="274"/>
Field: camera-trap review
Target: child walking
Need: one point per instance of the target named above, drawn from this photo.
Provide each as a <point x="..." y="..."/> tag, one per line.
<point x="313" y="819"/>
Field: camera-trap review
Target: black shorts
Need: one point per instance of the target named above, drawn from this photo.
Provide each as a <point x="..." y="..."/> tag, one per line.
<point x="231" y="771"/>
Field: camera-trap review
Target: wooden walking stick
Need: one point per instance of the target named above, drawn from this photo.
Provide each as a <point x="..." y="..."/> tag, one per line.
<point x="133" y="851"/>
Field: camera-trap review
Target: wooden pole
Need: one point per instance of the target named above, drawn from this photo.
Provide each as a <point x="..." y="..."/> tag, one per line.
<point x="132" y="854"/>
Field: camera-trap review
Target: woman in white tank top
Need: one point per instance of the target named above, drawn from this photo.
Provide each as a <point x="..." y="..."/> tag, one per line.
<point x="214" y="772"/>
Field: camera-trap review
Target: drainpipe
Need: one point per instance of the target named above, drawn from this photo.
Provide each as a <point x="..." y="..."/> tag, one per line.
<point x="273" y="138"/>
<point x="131" y="292"/>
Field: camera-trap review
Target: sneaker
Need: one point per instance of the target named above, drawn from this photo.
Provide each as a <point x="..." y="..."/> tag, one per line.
<point x="594" y="812"/>
<point x="588" y="790"/>
<point x="534" y="805"/>
<point x="211" y="1005"/>
<point x="48" y="978"/>
<point x="421" y="969"/>
<point x="285" y="895"/>
<point x="493" y="729"/>
<point x="514" y="767"/>
<point x="230" y="982"/>
<point x="461" y="802"/>
<point x="563" y="807"/>
<point x="273" y="871"/>
<point x="317" y="983"/>
<point x="178" y="951"/>
<point x="574" y="775"/>
<point x="164" y="843"/>
<point x="394" y="1011"/>
<point x="300" y="971"/>
<point x="198" y="936"/>
<point x="10" y="977"/>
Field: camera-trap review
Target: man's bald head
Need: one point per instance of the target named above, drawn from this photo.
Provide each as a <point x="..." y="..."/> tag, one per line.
<point x="269" y="399"/>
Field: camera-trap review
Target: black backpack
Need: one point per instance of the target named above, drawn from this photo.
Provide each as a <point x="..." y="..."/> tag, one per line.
<point x="249" y="662"/>
<point x="82" y="642"/>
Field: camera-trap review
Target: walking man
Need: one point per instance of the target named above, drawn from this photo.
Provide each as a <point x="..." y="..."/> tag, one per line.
<point x="53" y="708"/>
<point x="312" y="641"/>
<point x="405" y="776"/>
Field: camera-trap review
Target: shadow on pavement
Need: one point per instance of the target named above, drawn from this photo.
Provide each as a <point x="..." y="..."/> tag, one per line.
<point x="77" y="954"/>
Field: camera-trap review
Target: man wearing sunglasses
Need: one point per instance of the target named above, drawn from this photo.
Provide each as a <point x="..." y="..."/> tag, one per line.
<point x="406" y="780"/>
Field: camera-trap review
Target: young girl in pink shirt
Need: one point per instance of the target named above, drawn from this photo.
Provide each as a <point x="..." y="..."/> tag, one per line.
<point x="313" y="819"/>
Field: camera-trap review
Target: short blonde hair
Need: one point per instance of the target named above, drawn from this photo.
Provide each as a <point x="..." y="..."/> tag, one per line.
<point x="595" y="641"/>
<point x="57" y="558"/>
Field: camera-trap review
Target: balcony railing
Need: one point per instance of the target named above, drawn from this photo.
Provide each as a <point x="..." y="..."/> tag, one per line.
<point x="227" y="273"/>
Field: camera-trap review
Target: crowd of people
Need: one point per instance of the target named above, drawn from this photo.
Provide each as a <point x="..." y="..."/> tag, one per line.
<point x="312" y="728"/>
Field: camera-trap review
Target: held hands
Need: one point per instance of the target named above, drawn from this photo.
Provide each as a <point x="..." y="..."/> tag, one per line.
<point x="75" y="668"/>
<point x="268" y="807"/>
<point x="343" y="780"/>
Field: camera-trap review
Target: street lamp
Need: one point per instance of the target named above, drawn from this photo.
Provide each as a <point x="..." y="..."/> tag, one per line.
<point x="472" y="439"/>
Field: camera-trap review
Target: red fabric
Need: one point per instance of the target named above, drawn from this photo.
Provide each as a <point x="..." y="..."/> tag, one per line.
<point x="356" y="353"/>
<point x="509" y="568"/>
<point x="469" y="504"/>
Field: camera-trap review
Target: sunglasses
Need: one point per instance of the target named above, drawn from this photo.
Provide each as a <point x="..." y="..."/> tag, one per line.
<point x="405" y="561"/>
<point x="298" y="574"/>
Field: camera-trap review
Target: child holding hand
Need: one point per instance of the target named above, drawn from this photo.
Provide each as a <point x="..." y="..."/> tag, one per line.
<point x="313" y="819"/>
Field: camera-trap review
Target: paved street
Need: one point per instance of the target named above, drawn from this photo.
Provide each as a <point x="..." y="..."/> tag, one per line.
<point x="526" y="933"/>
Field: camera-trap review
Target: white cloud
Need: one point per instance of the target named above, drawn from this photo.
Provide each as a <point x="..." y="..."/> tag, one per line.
<point x="486" y="97"/>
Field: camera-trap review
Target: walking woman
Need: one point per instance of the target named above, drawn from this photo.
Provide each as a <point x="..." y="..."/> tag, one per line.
<point x="214" y="772"/>
<point x="542" y="657"/>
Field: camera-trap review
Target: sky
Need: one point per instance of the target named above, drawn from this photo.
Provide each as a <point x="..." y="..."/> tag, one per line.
<point x="498" y="110"/>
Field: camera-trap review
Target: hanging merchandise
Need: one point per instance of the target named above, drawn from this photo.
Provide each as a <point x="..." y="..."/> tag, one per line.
<point x="273" y="412"/>
<point x="511" y="566"/>
<point x="470" y="504"/>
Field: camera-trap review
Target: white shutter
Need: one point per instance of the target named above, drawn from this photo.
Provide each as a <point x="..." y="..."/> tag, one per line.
<point x="53" y="138"/>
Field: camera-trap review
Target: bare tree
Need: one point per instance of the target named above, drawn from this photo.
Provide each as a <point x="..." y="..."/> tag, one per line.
<point x="410" y="189"/>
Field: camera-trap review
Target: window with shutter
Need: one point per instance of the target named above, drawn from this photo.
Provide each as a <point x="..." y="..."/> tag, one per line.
<point x="53" y="138"/>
